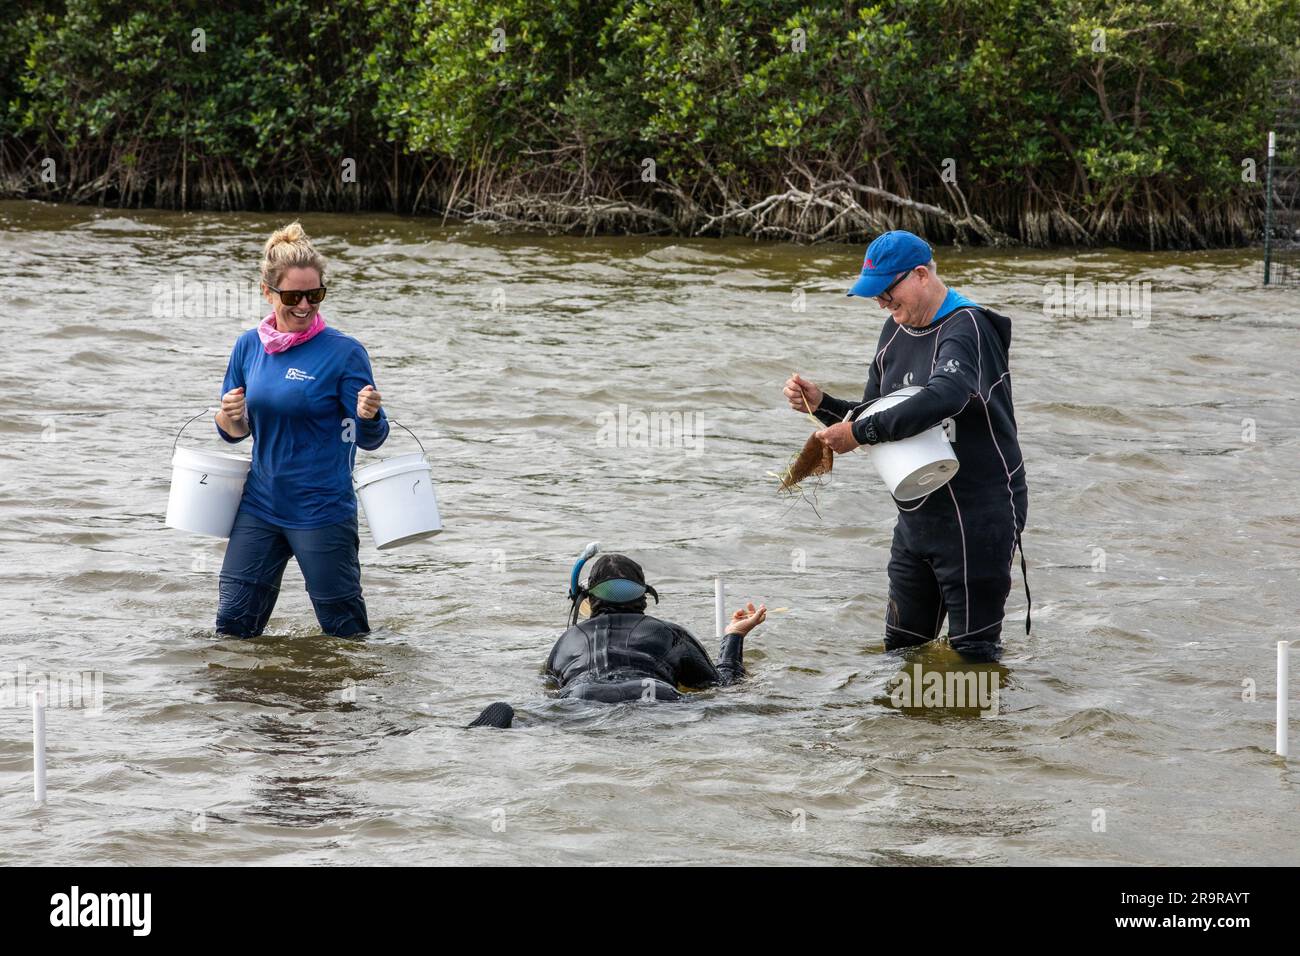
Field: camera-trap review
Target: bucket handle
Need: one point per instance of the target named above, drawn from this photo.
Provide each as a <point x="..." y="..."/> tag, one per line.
<point x="409" y="432"/>
<point x="176" y="440"/>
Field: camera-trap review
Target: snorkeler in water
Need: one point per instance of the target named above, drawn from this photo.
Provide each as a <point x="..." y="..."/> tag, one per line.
<point x="621" y="654"/>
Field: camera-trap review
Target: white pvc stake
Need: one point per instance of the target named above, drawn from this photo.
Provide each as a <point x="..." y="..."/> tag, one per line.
<point x="720" y="606"/>
<point x="1282" y="691"/>
<point x="38" y="745"/>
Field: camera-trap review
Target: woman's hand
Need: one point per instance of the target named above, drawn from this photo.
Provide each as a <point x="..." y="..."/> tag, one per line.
<point x="232" y="404"/>
<point x="233" y="415"/>
<point x="747" y="618"/>
<point x="802" y="395"/>
<point x="368" y="402"/>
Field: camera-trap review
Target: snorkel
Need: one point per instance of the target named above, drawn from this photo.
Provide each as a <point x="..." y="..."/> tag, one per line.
<point x="587" y="554"/>
<point x="575" y="593"/>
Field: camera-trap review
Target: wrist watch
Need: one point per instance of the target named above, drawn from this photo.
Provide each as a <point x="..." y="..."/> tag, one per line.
<point x="864" y="430"/>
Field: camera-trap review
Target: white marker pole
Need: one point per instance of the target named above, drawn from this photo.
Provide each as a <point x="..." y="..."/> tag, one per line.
<point x="720" y="606"/>
<point x="1282" y="691"/>
<point x="38" y="745"/>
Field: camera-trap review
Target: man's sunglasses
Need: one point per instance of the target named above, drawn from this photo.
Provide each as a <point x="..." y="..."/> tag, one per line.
<point x="292" y="297"/>
<point x="884" y="296"/>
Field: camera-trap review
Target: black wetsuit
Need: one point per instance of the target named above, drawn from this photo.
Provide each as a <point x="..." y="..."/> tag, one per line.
<point x="953" y="549"/>
<point x="624" y="657"/>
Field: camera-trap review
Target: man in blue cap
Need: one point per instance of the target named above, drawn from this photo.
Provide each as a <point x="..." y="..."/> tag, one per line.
<point x="953" y="550"/>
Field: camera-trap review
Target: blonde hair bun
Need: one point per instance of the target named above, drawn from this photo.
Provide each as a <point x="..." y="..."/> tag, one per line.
<point x="289" y="247"/>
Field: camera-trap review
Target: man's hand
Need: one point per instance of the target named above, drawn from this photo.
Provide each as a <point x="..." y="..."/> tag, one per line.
<point x="747" y="618"/>
<point x="368" y="402"/>
<point x="802" y="395"/>
<point x="839" y="438"/>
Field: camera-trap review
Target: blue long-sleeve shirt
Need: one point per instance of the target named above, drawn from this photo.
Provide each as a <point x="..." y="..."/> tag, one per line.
<point x="301" y="408"/>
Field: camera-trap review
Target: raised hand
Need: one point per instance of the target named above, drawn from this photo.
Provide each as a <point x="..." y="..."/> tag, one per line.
<point x="747" y="618"/>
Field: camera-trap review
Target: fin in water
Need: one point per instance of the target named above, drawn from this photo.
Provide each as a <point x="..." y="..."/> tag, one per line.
<point x="499" y="714"/>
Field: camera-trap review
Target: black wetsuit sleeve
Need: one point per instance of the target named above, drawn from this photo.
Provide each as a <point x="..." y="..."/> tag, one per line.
<point x="731" y="658"/>
<point x="692" y="667"/>
<point x="952" y="384"/>
<point x="832" y="409"/>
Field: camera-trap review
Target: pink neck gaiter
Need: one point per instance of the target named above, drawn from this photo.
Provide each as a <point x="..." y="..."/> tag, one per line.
<point x="273" y="340"/>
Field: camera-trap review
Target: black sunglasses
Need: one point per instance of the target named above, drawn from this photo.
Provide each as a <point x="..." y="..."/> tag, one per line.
<point x="884" y="296"/>
<point x="292" y="297"/>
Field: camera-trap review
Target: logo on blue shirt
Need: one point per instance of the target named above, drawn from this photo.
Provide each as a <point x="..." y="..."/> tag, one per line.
<point x="298" y="375"/>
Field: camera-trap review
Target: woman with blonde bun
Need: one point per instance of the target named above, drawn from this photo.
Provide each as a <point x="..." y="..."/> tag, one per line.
<point x="305" y="393"/>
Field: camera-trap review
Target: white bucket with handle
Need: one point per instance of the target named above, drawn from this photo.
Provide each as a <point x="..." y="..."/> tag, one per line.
<point x="206" y="489"/>
<point x="912" y="467"/>
<point x="399" y="499"/>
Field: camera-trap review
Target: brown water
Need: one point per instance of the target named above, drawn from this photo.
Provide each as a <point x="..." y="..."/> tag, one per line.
<point x="503" y="353"/>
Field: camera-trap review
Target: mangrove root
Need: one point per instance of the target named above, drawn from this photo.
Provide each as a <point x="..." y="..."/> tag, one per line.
<point x="816" y="458"/>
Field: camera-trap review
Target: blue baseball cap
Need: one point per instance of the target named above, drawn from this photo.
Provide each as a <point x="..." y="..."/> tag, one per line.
<point x="890" y="253"/>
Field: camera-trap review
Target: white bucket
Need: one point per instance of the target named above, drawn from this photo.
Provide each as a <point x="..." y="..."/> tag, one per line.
<point x="916" y="466"/>
<point x="206" y="490"/>
<point x="398" y="497"/>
